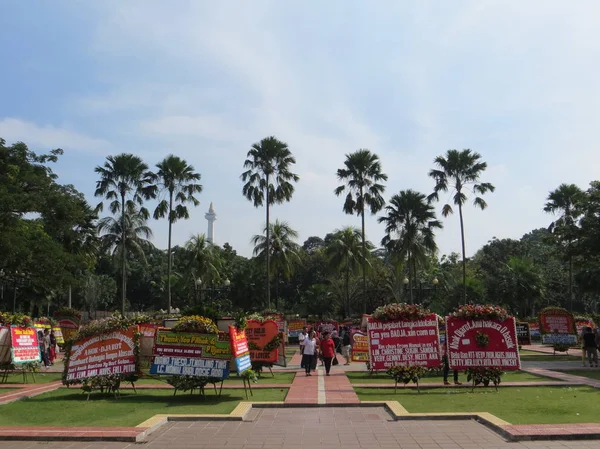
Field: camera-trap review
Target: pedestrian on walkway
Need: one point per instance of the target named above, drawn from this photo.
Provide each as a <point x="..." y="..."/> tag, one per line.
<point x="591" y="348"/>
<point x="52" y="347"/>
<point x="347" y="346"/>
<point x="327" y="351"/>
<point x="446" y="369"/>
<point x="301" y="336"/>
<point x="309" y="345"/>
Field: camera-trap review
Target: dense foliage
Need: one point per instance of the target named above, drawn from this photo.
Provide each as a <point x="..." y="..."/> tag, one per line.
<point x="53" y="245"/>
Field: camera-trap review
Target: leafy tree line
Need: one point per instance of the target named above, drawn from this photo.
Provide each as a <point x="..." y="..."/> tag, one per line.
<point x="53" y="242"/>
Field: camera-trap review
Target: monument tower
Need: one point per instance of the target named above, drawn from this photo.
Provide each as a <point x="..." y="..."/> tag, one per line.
<point x="211" y="217"/>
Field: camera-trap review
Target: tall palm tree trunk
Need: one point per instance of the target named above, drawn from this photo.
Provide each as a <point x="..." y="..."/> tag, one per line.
<point x="277" y="292"/>
<point x="464" y="262"/>
<point x="410" y="280"/>
<point x="347" y="290"/>
<point x="414" y="270"/>
<point x="170" y="261"/>
<point x="571" y="284"/>
<point x="123" y="257"/>
<point x="364" y="262"/>
<point x="268" y="251"/>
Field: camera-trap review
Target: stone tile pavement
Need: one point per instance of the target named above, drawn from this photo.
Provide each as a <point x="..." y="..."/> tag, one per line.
<point x="319" y="428"/>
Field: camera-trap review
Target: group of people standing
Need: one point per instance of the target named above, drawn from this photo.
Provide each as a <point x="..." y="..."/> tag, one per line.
<point x="324" y="347"/>
<point x="47" y="344"/>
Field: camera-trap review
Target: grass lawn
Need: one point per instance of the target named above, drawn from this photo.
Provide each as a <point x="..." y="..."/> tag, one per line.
<point x="40" y="378"/>
<point x="65" y="407"/>
<point x="509" y="376"/>
<point x="280" y="378"/>
<point x="591" y="373"/>
<point x="6" y="390"/>
<point x="531" y="405"/>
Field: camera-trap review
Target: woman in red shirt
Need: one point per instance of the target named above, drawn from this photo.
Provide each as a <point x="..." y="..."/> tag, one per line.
<point x="327" y="350"/>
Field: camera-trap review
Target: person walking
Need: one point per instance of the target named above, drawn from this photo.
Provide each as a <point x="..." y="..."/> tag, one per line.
<point x="591" y="348"/>
<point x="301" y="336"/>
<point x="52" y="347"/>
<point x="327" y="351"/>
<point x="347" y="346"/>
<point x="309" y="348"/>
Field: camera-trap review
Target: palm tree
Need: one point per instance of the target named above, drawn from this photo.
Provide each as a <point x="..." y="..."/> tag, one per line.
<point x="345" y="252"/>
<point x="268" y="180"/>
<point x="283" y="252"/>
<point x="459" y="171"/>
<point x="205" y="262"/>
<point x="362" y="177"/>
<point x="410" y="225"/>
<point x="179" y="181"/>
<point x="565" y="200"/>
<point x="127" y="234"/>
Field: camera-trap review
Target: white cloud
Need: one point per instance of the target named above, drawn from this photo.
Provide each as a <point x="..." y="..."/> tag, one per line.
<point x="49" y="136"/>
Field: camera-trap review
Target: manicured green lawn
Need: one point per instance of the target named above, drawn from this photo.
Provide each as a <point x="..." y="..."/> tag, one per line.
<point x="6" y="390"/>
<point x="68" y="407"/>
<point x="590" y="373"/>
<point x="280" y="378"/>
<point x="40" y="378"/>
<point x="530" y="405"/>
<point x="509" y="376"/>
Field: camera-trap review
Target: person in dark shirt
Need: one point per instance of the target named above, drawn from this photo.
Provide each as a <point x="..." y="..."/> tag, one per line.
<point x="591" y="349"/>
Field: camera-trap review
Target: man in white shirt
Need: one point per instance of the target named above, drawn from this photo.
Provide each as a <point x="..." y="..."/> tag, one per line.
<point x="301" y="336"/>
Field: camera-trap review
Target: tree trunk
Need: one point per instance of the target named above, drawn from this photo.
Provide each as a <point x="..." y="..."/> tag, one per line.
<point x="170" y="261"/>
<point x="347" y="291"/>
<point x="268" y="250"/>
<point x="364" y="261"/>
<point x="123" y="257"/>
<point x="464" y="262"/>
<point x="414" y="267"/>
<point x="69" y="297"/>
<point x="410" y="280"/>
<point x="571" y="284"/>
<point x="277" y="292"/>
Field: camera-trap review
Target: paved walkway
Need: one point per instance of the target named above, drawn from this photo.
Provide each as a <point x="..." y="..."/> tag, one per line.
<point x="319" y="428"/>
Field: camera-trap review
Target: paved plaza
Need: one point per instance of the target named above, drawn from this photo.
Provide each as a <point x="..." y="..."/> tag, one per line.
<point x="318" y="428"/>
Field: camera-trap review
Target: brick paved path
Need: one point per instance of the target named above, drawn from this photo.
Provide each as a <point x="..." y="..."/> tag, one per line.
<point x="319" y="428"/>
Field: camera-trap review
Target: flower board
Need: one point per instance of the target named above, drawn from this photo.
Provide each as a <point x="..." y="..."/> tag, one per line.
<point x="407" y="342"/>
<point x="482" y="343"/>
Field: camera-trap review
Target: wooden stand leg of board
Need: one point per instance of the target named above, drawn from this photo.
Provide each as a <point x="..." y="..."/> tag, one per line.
<point x="174" y="391"/>
<point x="33" y="375"/>
<point x="271" y="370"/>
<point x="396" y="387"/>
<point x="418" y="388"/>
<point x="250" y="388"/>
<point x="245" y="389"/>
<point x="220" y="389"/>
<point x="4" y="377"/>
<point x="473" y="385"/>
<point x="133" y="386"/>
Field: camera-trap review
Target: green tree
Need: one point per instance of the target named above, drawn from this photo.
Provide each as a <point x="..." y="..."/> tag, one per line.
<point x="127" y="234"/>
<point x="345" y="253"/>
<point x="178" y="180"/>
<point x="566" y="201"/>
<point x="98" y="291"/>
<point x="269" y="180"/>
<point x="125" y="182"/>
<point x="205" y="261"/>
<point x="362" y="177"/>
<point x="283" y="252"/>
<point x="458" y="172"/>
<point x="409" y="225"/>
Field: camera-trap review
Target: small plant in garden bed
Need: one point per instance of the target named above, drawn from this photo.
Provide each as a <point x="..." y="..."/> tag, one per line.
<point x="406" y="374"/>
<point x="560" y="347"/>
<point x="484" y="376"/>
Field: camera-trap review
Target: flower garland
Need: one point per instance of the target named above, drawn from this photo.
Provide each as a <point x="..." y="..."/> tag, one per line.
<point x="482" y="339"/>
<point x="480" y="312"/>
<point x="45" y="321"/>
<point x="15" y="319"/>
<point x="67" y="312"/>
<point x="196" y="323"/>
<point x="397" y="312"/>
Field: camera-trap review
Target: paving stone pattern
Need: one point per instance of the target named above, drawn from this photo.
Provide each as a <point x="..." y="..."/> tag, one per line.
<point x="319" y="428"/>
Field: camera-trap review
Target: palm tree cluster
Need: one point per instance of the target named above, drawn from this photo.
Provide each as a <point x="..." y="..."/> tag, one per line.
<point x="409" y="224"/>
<point x="126" y="182"/>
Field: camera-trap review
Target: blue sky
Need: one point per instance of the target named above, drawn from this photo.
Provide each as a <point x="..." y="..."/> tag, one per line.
<point x="516" y="81"/>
